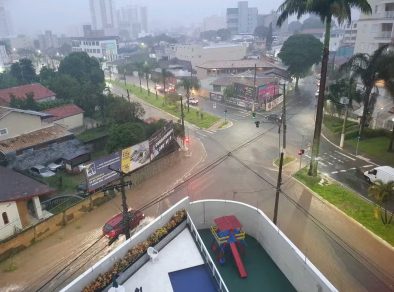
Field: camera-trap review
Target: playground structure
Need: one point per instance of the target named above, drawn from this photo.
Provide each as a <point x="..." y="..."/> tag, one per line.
<point x="229" y="237"/>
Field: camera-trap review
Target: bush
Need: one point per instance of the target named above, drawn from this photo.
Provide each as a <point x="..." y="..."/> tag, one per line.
<point x="369" y="133"/>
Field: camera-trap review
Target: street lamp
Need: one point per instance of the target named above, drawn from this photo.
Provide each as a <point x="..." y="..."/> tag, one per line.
<point x="344" y="101"/>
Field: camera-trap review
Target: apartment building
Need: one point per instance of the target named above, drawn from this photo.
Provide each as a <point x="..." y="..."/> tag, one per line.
<point x="243" y="19"/>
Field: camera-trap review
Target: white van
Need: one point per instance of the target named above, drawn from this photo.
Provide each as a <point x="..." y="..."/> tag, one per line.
<point x="383" y="173"/>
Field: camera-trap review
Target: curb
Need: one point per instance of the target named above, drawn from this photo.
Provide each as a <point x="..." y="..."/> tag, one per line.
<point x="381" y="240"/>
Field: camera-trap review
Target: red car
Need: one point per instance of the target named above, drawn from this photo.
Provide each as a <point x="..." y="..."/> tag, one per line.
<point x="114" y="226"/>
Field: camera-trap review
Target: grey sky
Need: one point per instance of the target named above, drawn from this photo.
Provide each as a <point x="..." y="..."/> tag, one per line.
<point x="35" y="16"/>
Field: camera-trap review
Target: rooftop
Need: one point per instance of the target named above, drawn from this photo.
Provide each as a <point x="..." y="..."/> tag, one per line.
<point x="7" y="110"/>
<point x="64" y="111"/>
<point x="237" y="64"/>
<point x="33" y="138"/>
<point x="16" y="186"/>
<point x="96" y="38"/>
<point x="39" y="92"/>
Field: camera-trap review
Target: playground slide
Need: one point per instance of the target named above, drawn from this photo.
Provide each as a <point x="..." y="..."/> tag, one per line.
<point x="238" y="260"/>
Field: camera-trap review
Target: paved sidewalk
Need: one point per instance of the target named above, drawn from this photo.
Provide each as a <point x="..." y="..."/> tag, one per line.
<point x="360" y="244"/>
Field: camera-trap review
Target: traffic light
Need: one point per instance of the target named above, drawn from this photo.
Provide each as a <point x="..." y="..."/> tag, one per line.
<point x="301" y="152"/>
<point x="253" y="115"/>
<point x="257" y="123"/>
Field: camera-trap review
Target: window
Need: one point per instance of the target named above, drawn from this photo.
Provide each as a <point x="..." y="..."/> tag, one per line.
<point x="5" y="218"/>
<point x="3" y="132"/>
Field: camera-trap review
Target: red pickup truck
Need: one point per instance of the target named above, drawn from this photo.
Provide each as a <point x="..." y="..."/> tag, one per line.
<point x="114" y="226"/>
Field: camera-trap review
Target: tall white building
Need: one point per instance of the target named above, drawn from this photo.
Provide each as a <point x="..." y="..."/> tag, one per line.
<point x="133" y="19"/>
<point x="375" y="29"/>
<point x="102" y="14"/>
<point x="5" y="21"/>
<point x="243" y="19"/>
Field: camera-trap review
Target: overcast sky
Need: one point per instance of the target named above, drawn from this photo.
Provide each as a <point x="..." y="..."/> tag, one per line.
<point x="35" y="16"/>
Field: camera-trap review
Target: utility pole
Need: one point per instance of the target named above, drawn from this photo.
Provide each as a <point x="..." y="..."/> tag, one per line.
<point x="182" y="120"/>
<point x="284" y="117"/>
<point x="278" y="184"/>
<point x="254" y="87"/>
<point x="125" y="208"/>
<point x="124" y="75"/>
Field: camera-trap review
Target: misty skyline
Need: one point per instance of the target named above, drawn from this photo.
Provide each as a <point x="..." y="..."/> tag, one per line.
<point x="67" y="16"/>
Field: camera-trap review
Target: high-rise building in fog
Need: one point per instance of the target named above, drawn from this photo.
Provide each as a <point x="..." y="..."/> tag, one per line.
<point x="144" y="19"/>
<point x="5" y="22"/>
<point x="242" y="19"/>
<point x="102" y="14"/>
<point x="132" y="21"/>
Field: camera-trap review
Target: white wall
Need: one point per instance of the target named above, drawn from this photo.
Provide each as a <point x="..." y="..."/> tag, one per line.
<point x="7" y="230"/>
<point x="72" y="122"/>
<point x="301" y="273"/>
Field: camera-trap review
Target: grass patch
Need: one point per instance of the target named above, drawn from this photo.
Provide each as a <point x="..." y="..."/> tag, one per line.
<point x="65" y="183"/>
<point x="92" y="134"/>
<point x="334" y="124"/>
<point x="350" y="203"/>
<point x="374" y="148"/>
<point x="286" y="160"/>
<point x="10" y="266"/>
<point x="193" y="116"/>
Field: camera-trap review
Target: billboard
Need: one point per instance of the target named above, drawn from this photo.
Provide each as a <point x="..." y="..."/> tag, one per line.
<point x="98" y="172"/>
<point x="267" y="91"/>
<point x="243" y="91"/>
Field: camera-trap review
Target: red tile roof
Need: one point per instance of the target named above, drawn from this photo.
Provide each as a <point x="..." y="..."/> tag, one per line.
<point x="16" y="186"/>
<point x="39" y="91"/>
<point x="64" y="111"/>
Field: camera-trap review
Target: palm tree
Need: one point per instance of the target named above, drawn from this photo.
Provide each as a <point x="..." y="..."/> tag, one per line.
<point x="189" y="84"/>
<point x="382" y="193"/>
<point x="147" y="68"/>
<point x="370" y="69"/>
<point x="164" y="75"/>
<point x="326" y="10"/>
<point x="139" y="67"/>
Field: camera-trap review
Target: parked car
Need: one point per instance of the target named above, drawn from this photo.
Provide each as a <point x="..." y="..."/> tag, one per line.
<point x="114" y="226"/>
<point x="193" y="101"/>
<point x="41" y="170"/>
<point x="273" y="118"/>
<point x="383" y="173"/>
<point x="55" y="165"/>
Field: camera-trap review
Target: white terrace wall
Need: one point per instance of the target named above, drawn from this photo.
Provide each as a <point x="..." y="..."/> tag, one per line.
<point x="302" y="274"/>
<point x="106" y="263"/>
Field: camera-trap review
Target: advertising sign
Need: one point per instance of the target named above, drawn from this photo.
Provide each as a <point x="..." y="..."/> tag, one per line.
<point x="98" y="172"/>
<point x="267" y="91"/>
<point x="244" y="92"/>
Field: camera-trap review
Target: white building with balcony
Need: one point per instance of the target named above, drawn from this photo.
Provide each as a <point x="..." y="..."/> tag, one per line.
<point x="100" y="47"/>
<point x="376" y="29"/>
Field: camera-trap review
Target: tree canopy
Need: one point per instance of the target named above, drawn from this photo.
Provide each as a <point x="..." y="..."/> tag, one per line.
<point x="23" y="71"/>
<point x="125" y="135"/>
<point x="299" y="52"/>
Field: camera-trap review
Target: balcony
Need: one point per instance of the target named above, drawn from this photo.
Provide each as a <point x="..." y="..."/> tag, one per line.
<point x="387" y="14"/>
<point x="383" y="35"/>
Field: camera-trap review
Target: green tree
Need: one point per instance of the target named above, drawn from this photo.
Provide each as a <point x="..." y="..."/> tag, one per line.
<point x="139" y="67"/>
<point x="269" y="38"/>
<point x="7" y="80"/>
<point x="46" y="75"/>
<point x="147" y="70"/>
<point x="23" y="71"/>
<point x="261" y="31"/>
<point x="382" y="193"/>
<point x="65" y="86"/>
<point x="370" y="69"/>
<point x="121" y="111"/>
<point x="125" y="135"/>
<point x="312" y="22"/>
<point x="299" y="52"/>
<point x="189" y="84"/>
<point x="229" y="91"/>
<point x="27" y="103"/>
<point x="224" y="34"/>
<point x="172" y="98"/>
<point x="325" y="10"/>
<point x="344" y="87"/>
<point x="164" y="75"/>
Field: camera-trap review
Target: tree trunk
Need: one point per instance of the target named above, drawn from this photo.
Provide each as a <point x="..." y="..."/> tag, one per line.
<point x="147" y="84"/>
<point x="140" y="83"/>
<point x="164" y="84"/>
<point x="320" y="101"/>
<point x="188" y="98"/>
<point x="365" y="111"/>
<point x="296" y="85"/>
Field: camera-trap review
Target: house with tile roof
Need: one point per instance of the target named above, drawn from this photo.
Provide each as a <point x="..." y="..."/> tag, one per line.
<point x="39" y="92"/>
<point x="69" y="116"/>
<point x="20" y="204"/>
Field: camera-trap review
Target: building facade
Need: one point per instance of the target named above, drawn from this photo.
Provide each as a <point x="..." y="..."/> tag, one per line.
<point x="243" y="19"/>
<point x="376" y="29"/>
<point x="102" y="14"/>
<point x="5" y="21"/>
<point x="98" y="47"/>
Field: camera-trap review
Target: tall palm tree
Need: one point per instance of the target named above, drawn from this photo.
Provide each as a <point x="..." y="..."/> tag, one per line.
<point x="189" y="84"/>
<point x="139" y="67"/>
<point x="147" y="68"/>
<point x="370" y="69"/>
<point x="326" y="10"/>
<point x="382" y="193"/>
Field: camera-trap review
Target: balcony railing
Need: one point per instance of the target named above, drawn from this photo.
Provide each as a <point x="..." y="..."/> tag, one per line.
<point x="205" y="254"/>
<point x="383" y="35"/>
<point x="387" y="14"/>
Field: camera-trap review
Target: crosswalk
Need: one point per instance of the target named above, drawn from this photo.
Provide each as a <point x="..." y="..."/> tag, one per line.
<point x="205" y="133"/>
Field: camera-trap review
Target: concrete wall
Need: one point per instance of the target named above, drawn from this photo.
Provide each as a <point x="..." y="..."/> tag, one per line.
<point x="11" y="210"/>
<point x="72" y="122"/>
<point x="18" y="124"/>
<point x="303" y="275"/>
<point x="108" y="261"/>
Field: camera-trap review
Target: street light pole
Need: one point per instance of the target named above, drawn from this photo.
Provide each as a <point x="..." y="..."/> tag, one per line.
<point x="284" y="117"/>
<point x="183" y="121"/>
